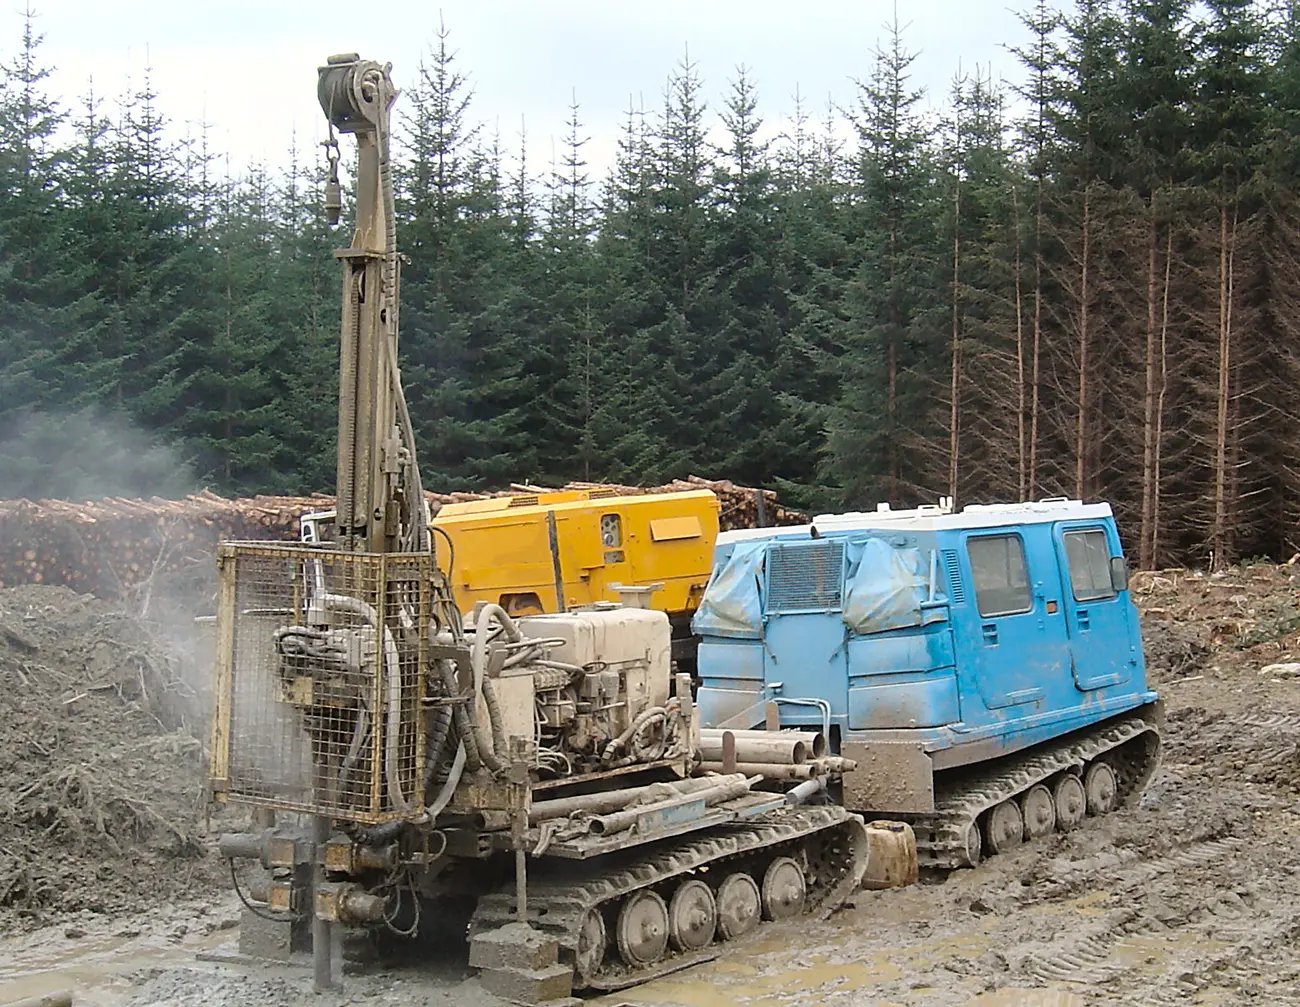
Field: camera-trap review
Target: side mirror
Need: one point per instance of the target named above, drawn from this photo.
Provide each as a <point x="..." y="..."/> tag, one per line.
<point x="1118" y="574"/>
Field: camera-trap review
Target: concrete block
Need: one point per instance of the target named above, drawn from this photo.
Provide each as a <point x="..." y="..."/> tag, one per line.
<point x="513" y="946"/>
<point x="529" y="986"/>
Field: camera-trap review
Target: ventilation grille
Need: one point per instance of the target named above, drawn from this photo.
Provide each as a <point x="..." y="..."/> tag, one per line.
<point x="805" y="577"/>
<point x="601" y="494"/>
<point x="526" y="501"/>
<point x="956" y="593"/>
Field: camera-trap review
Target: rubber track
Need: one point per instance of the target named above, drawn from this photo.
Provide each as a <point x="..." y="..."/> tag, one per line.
<point x="941" y="836"/>
<point x="558" y="901"/>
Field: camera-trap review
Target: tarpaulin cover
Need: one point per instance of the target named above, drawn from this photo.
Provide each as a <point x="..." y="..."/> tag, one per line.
<point x="887" y="588"/>
<point x="732" y="603"/>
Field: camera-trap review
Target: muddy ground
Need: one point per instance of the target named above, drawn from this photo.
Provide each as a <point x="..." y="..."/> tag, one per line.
<point x="1191" y="896"/>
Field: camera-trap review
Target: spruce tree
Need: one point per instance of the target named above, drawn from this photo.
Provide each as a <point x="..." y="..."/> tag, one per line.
<point x="40" y="277"/>
<point x="890" y="340"/>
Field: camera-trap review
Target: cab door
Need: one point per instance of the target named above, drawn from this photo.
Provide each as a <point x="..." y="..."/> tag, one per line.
<point x="1019" y="641"/>
<point x="1102" y="647"/>
<point x="804" y="636"/>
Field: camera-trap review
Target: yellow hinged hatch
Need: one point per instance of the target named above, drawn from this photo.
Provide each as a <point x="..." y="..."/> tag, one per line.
<point x="669" y="529"/>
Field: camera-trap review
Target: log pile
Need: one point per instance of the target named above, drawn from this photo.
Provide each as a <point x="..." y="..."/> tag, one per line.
<point x="111" y="548"/>
<point x="740" y="504"/>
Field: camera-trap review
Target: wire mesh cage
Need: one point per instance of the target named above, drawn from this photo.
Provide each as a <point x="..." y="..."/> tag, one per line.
<point x="321" y="665"/>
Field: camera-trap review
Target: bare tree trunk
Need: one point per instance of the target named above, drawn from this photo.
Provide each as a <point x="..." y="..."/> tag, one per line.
<point x="892" y="377"/>
<point x="1081" y="426"/>
<point x="1219" y="537"/>
<point x="1147" y="534"/>
<point x="954" y="395"/>
<point x="1160" y="402"/>
<point x="893" y="417"/>
<point x="1038" y="344"/>
<point x="1022" y="471"/>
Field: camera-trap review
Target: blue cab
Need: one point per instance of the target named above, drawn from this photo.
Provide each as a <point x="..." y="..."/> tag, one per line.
<point x="926" y="640"/>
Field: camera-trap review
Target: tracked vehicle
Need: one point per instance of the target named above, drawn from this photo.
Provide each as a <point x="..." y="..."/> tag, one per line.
<point x="405" y="760"/>
<point x="983" y="669"/>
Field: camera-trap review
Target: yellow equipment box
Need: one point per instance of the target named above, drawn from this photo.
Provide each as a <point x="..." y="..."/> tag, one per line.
<point x="549" y="552"/>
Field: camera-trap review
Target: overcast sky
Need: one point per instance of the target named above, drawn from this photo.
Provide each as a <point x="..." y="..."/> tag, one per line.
<point x="248" y="69"/>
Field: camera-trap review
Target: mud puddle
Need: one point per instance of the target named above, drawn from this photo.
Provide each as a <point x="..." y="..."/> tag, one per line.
<point x="95" y="960"/>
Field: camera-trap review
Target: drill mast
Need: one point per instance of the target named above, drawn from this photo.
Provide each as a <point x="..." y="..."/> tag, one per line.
<point x="380" y="501"/>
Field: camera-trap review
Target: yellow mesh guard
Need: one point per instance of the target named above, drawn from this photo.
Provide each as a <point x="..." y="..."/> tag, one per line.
<point x="321" y="669"/>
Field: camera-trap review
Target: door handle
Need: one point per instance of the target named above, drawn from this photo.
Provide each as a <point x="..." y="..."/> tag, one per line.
<point x="990" y="633"/>
<point x="1083" y="618"/>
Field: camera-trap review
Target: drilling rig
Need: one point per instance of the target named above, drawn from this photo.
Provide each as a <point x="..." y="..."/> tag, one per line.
<point x="402" y="757"/>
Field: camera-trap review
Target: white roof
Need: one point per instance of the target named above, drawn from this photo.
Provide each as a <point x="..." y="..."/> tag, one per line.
<point x="742" y="534"/>
<point x="935" y="518"/>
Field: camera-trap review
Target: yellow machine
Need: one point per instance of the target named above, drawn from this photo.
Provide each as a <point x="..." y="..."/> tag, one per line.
<point x="549" y="552"/>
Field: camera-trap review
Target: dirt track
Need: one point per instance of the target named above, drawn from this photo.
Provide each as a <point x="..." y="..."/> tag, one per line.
<point x="1192" y="896"/>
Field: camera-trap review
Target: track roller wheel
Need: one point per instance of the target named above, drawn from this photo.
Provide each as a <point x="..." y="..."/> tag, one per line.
<point x="1039" y="811"/>
<point x="739" y="906"/>
<point x="642" y="929"/>
<point x="1005" y="828"/>
<point x="1100" y="786"/>
<point x="974" y="847"/>
<point x="592" y="940"/>
<point x="692" y="916"/>
<point x="784" y="889"/>
<point x="1070" y="800"/>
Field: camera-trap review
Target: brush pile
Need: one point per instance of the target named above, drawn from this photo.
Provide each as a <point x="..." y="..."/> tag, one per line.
<point x="103" y="799"/>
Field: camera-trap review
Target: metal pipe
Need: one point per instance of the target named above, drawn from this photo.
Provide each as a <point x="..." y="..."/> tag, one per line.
<point x="241" y="845"/>
<point x="616" y="800"/>
<point x="621" y="821"/>
<point x="805" y="791"/>
<point x="323" y="932"/>
<point x="769" y="770"/>
<point x="814" y="741"/>
<point x="773" y="748"/>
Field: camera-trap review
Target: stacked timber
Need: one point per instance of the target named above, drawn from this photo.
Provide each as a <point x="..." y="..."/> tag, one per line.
<point x="111" y="546"/>
<point x="115" y="547"/>
<point x="742" y="507"/>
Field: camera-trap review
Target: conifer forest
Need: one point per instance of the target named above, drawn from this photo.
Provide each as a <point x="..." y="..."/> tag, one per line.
<point x="1087" y="284"/>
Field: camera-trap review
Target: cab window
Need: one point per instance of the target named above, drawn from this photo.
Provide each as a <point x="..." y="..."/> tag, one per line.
<point x="997" y="564"/>
<point x="1088" y="556"/>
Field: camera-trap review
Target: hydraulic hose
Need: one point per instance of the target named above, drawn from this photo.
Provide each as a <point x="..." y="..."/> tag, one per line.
<point x="462" y="719"/>
<point x="354" y="749"/>
<point x="617" y="744"/>
<point x="439" y="731"/>
<point x="491" y="748"/>
<point x="355" y="606"/>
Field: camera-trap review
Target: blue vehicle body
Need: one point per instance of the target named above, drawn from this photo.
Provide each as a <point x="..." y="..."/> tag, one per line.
<point x="923" y="641"/>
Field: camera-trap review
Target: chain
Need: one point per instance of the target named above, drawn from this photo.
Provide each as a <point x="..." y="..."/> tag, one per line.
<point x="333" y="190"/>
